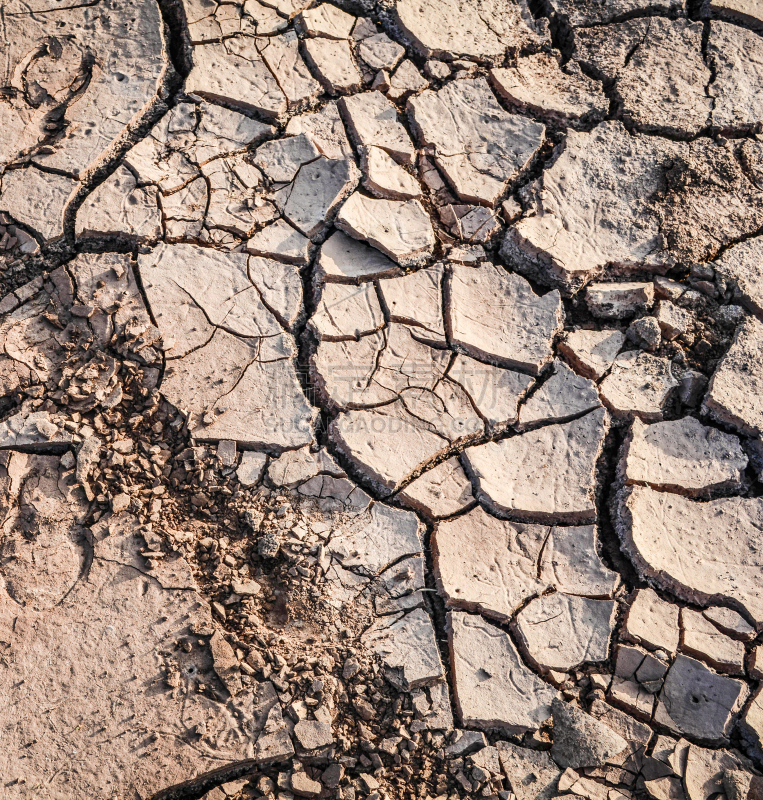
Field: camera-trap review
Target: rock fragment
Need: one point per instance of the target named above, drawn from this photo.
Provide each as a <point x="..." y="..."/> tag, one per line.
<point x="581" y="740"/>
<point x="561" y="632"/>
<point x="537" y="84"/>
<point x="496" y="317"/>
<point x="673" y="320"/>
<point x="645" y="333"/>
<point x="545" y="475"/>
<point x="592" y="353"/>
<point x="401" y="230"/>
<point x="639" y="385"/>
<point x="225" y="663"/>
<point x="683" y="456"/>
<point x="698" y="702"/>
<point x="466" y="743"/>
<point x="313" y="735"/>
<point x="619" y="300"/>
<point x="713" y="558"/>
<point x="33" y="430"/>
<point x="478" y="146"/>
<point x="737" y="382"/>
<point x="493" y="688"/>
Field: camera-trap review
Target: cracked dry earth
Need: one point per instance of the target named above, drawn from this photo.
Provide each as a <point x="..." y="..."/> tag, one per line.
<point x="381" y="399"/>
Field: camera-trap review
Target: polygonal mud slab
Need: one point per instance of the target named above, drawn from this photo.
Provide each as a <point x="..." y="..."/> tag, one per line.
<point x="714" y="546"/>
<point x="563" y="244"/>
<point x="488" y="565"/>
<point x="736" y="56"/>
<point x="485" y="564"/>
<point x="698" y="702"/>
<point x="495" y="316"/>
<point x="564" y="395"/>
<point x="683" y="456"/>
<point x="439" y="492"/>
<point x="581" y="740"/>
<point x="372" y="121"/>
<point x="482" y="29"/>
<point x="648" y="228"/>
<point x="537" y="84"/>
<point x="230" y="363"/>
<point x="401" y="230"/>
<point x="592" y="353"/>
<point x="561" y="632"/>
<point x="653" y="94"/>
<point x="387" y="444"/>
<point x="740" y="265"/>
<point x="476" y="144"/>
<point x="234" y="72"/>
<point x="546" y="475"/>
<point x="735" y="388"/>
<point x="377" y="368"/>
<point x="639" y="385"/>
<point x="492" y="687"/>
<point x="703" y="640"/>
<point x="127" y="620"/>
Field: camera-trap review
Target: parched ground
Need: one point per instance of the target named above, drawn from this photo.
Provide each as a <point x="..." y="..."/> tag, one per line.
<point x="381" y="400"/>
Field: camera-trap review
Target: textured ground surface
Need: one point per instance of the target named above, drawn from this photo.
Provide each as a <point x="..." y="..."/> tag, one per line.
<point x="381" y="400"/>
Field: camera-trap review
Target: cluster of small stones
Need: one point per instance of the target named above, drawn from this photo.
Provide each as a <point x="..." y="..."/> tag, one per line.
<point x="381" y="400"/>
